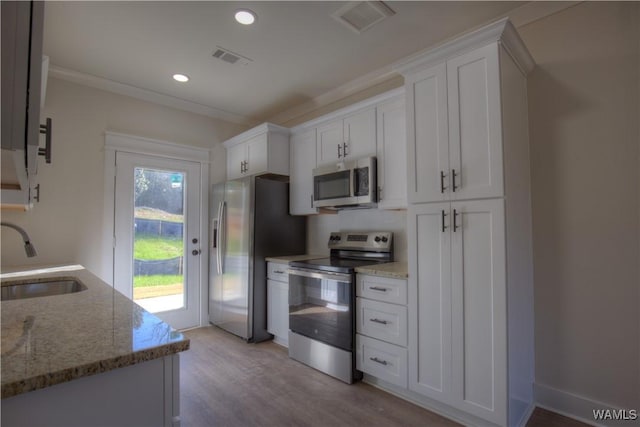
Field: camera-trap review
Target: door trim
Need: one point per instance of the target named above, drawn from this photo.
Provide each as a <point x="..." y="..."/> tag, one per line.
<point x="119" y="142"/>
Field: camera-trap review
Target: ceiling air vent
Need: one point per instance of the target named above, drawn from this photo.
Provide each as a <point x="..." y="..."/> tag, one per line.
<point x="230" y="57"/>
<point x="359" y="16"/>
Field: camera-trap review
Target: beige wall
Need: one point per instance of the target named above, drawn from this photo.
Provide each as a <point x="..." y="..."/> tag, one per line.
<point x="583" y="115"/>
<point x="66" y="226"/>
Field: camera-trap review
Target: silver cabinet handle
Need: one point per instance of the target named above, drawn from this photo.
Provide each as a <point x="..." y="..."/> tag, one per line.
<point x="382" y="322"/>
<point x="455" y="225"/>
<point x="453" y="180"/>
<point x="278" y="272"/>
<point x="246" y="166"/>
<point x="344" y="149"/>
<point x="339" y="153"/>
<point x="311" y="197"/>
<point x="376" y="288"/>
<point x="382" y="362"/>
<point x="444" y="227"/>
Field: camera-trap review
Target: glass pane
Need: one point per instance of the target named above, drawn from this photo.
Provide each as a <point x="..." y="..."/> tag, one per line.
<point x="332" y="186"/>
<point x="158" y="244"/>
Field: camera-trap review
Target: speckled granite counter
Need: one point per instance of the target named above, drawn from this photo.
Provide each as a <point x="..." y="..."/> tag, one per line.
<point x="396" y="270"/>
<point x="54" y="339"/>
<point x="290" y="258"/>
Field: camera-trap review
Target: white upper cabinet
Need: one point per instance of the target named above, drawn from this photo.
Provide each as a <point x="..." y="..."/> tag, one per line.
<point x="392" y="154"/>
<point x="455" y="128"/>
<point x="373" y="127"/>
<point x="24" y="70"/>
<point x="350" y="137"/>
<point x="427" y="135"/>
<point x="475" y="128"/>
<point x="303" y="160"/>
<point x="263" y="149"/>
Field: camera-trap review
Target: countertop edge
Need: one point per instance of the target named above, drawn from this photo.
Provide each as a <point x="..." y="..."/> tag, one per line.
<point x="392" y="270"/>
<point x="65" y="375"/>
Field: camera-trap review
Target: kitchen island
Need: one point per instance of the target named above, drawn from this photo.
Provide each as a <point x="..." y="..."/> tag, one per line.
<point x="92" y="357"/>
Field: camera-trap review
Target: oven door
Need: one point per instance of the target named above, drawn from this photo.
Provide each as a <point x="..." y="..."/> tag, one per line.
<point x="321" y="306"/>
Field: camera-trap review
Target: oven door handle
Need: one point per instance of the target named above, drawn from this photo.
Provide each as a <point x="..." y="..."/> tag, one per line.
<point x="314" y="274"/>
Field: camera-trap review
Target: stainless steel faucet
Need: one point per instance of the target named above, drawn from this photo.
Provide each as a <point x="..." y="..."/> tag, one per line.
<point x="28" y="247"/>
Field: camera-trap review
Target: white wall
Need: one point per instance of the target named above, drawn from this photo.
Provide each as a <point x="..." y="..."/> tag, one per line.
<point x="583" y="115"/>
<point x="320" y="226"/>
<point x="66" y="226"/>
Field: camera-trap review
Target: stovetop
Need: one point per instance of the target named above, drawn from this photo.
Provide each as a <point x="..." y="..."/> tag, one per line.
<point x="351" y="249"/>
<point x="336" y="265"/>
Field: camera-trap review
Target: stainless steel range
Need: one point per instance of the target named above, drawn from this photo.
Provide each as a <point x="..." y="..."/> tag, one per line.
<point x="322" y="301"/>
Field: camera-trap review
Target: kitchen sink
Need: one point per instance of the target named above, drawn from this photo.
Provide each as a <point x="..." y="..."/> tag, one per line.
<point x="43" y="288"/>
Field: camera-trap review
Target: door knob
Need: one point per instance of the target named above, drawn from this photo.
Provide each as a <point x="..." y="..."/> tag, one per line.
<point x="196" y="252"/>
<point x="194" y="241"/>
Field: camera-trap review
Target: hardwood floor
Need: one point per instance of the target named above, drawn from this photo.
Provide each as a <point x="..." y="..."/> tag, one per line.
<point x="543" y="418"/>
<point x="227" y="382"/>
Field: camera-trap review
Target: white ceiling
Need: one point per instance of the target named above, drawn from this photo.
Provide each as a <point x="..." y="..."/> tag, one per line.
<point x="298" y="50"/>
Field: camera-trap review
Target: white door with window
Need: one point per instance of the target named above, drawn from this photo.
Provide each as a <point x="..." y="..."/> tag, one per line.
<point x="157" y="248"/>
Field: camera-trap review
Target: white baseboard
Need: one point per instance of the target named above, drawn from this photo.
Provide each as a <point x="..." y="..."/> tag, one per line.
<point x="577" y="407"/>
<point x="527" y="414"/>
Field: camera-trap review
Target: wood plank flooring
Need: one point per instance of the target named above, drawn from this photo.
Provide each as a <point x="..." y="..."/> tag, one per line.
<point x="227" y="382"/>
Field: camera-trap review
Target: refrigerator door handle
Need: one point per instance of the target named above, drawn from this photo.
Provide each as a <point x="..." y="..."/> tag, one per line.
<point x="221" y="232"/>
<point x="218" y="233"/>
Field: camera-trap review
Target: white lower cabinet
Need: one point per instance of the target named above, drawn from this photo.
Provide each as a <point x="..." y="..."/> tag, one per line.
<point x="382" y="360"/>
<point x="381" y="326"/>
<point x="278" y="302"/>
<point x="457" y="289"/>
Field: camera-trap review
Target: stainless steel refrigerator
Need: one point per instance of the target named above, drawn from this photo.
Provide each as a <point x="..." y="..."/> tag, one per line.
<point x="250" y="221"/>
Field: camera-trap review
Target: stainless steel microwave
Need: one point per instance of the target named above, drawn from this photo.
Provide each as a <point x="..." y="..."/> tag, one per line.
<point x="348" y="184"/>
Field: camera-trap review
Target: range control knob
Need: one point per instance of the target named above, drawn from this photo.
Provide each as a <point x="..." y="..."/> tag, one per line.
<point x="338" y="238"/>
<point x="384" y="239"/>
<point x="377" y="239"/>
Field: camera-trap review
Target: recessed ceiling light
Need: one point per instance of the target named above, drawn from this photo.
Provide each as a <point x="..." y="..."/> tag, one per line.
<point x="180" y="78"/>
<point x="245" y="16"/>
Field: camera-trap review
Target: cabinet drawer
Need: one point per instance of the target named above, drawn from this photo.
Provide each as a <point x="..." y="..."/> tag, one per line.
<point x="382" y="289"/>
<point x="382" y="360"/>
<point x="277" y="271"/>
<point x="387" y="322"/>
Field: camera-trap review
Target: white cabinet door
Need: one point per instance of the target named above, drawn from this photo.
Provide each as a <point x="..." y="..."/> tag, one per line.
<point x="360" y="134"/>
<point x="392" y="154"/>
<point x="475" y="124"/>
<point x="236" y="156"/>
<point x="479" y="322"/>
<point x="430" y="300"/>
<point x="278" y="310"/>
<point x="303" y="160"/>
<point x="257" y="160"/>
<point x="427" y="136"/>
<point x="330" y="139"/>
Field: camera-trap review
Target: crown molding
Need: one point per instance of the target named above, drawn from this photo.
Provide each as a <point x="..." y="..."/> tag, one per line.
<point x="501" y="31"/>
<point x="359" y="84"/>
<point x="145" y="95"/>
<point x="258" y="130"/>
<point x="521" y="16"/>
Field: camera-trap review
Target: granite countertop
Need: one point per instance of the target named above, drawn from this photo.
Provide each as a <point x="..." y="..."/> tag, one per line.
<point x="290" y="258"/>
<point x="396" y="270"/>
<point x="55" y="339"/>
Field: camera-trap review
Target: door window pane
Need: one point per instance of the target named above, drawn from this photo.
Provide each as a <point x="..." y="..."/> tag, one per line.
<point x="158" y="244"/>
